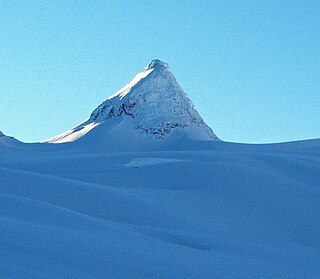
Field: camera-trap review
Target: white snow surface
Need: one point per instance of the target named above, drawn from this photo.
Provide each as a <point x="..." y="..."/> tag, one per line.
<point x="152" y="104"/>
<point x="203" y="210"/>
<point x="143" y="190"/>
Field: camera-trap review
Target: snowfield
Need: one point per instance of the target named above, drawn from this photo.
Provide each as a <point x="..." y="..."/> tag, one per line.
<point x="144" y="189"/>
<point x="209" y="210"/>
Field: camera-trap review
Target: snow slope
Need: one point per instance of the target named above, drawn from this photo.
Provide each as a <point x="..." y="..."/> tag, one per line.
<point x="144" y="189"/>
<point x="8" y="141"/>
<point x="151" y="105"/>
<point x="218" y="210"/>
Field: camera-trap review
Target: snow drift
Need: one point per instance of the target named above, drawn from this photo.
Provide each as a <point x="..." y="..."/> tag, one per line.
<point x="227" y="211"/>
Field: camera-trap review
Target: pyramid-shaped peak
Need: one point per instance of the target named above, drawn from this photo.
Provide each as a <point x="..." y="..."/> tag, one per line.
<point x="157" y="63"/>
<point x="152" y="104"/>
<point x="155" y="102"/>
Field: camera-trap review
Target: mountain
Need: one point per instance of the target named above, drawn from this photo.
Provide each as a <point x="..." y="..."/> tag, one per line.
<point x="143" y="189"/>
<point x="151" y="105"/>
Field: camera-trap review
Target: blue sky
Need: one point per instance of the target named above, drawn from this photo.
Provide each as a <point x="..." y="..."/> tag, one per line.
<point x="252" y="68"/>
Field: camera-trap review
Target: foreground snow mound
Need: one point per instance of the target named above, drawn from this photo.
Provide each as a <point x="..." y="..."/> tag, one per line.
<point x="229" y="211"/>
<point x="152" y="104"/>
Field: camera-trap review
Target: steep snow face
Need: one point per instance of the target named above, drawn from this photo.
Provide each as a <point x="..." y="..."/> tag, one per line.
<point x="1" y="134"/>
<point x="152" y="103"/>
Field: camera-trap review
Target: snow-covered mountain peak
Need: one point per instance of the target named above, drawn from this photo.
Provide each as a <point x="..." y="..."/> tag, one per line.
<point x="152" y="103"/>
<point x="156" y="63"/>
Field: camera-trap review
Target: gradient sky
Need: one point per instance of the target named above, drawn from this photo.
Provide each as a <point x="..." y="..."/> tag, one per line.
<point x="252" y="68"/>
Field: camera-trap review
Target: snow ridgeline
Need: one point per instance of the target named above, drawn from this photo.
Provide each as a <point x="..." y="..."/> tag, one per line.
<point x="152" y="103"/>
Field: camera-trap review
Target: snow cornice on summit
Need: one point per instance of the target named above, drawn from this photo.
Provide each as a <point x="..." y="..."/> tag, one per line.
<point x="152" y="104"/>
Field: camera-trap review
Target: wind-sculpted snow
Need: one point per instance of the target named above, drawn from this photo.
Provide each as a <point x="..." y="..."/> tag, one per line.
<point x="152" y="104"/>
<point x="217" y="210"/>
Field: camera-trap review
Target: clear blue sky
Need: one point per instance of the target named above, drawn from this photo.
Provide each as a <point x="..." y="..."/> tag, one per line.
<point x="252" y="68"/>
